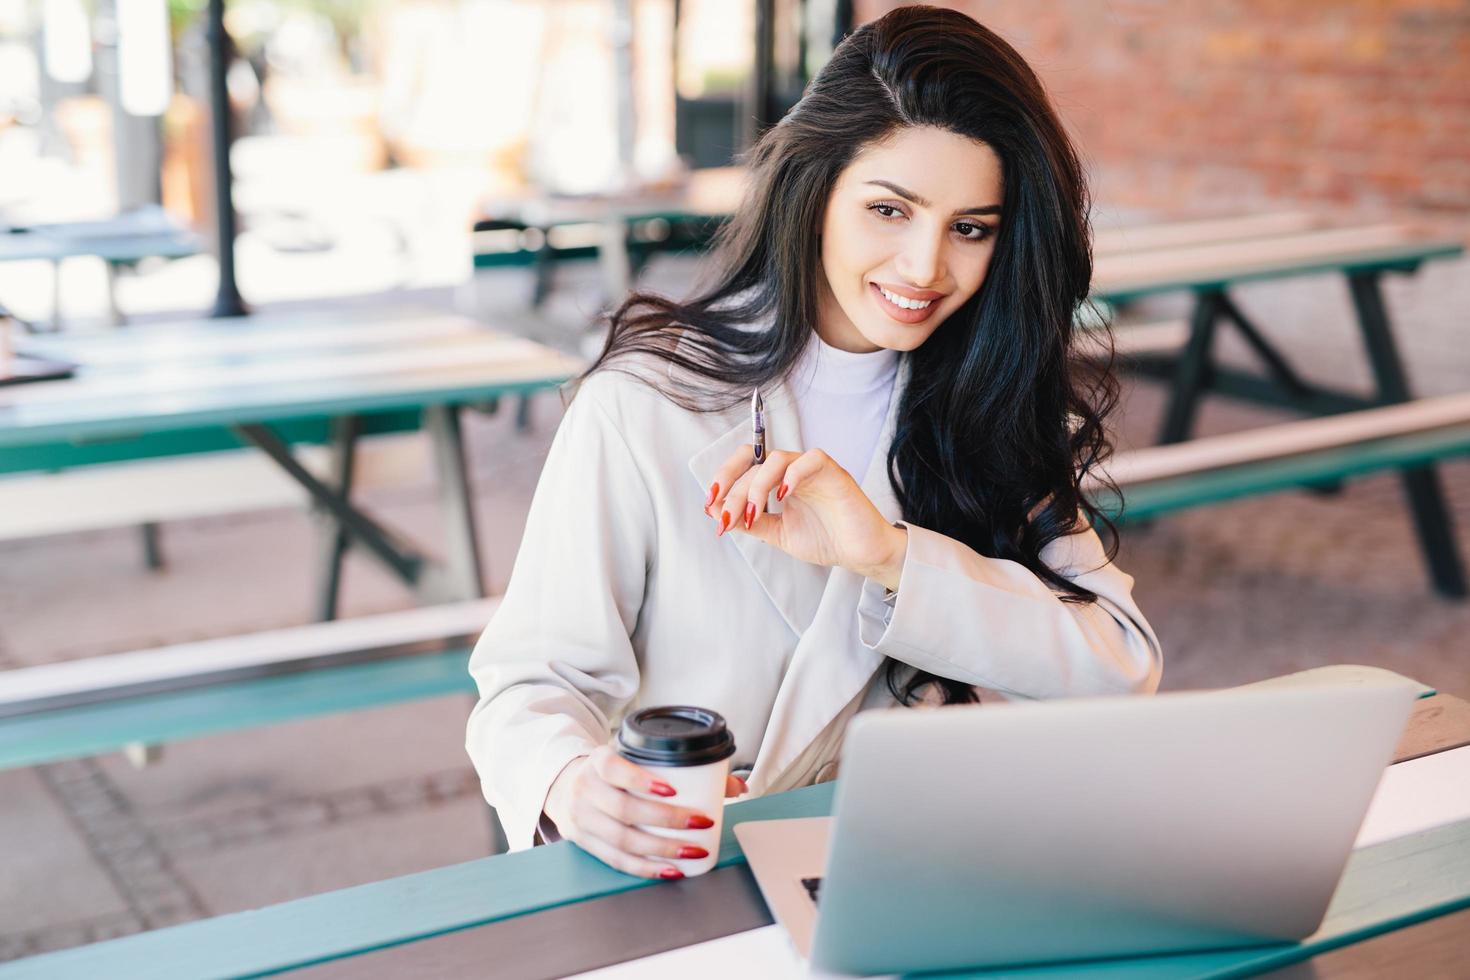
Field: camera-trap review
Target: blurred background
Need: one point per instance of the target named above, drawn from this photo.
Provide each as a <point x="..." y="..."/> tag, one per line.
<point x="503" y="169"/>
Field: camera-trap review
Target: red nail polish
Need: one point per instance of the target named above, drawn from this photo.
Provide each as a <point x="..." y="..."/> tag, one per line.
<point x="660" y="789"/>
<point x="671" y="874"/>
<point x="749" y="515"/>
<point x="693" y="853"/>
<point x="698" y="822"/>
<point x="782" y="492"/>
<point x="724" y="523"/>
<point x="714" y="491"/>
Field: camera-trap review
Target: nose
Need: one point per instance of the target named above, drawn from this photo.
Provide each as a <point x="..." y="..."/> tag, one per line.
<point x="921" y="261"/>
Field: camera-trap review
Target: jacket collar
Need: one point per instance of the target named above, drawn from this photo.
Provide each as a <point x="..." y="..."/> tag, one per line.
<point x="795" y="587"/>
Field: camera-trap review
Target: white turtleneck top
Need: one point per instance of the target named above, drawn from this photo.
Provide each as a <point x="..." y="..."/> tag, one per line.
<point x="842" y="401"/>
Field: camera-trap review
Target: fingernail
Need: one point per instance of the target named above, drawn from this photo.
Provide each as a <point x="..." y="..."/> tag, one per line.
<point x="671" y="873"/>
<point x="698" y="822"/>
<point x="782" y="491"/>
<point x="693" y="852"/>
<point x="724" y="523"/>
<point x="714" y="491"/>
<point x="660" y="789"/>
<point x="749" y="515"/>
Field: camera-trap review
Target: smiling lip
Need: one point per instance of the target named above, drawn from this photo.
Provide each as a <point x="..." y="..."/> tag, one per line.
<point x="908" y="292"/>
<point x="898" y="312"/>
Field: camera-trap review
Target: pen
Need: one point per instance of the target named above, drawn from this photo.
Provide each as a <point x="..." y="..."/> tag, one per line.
<point x="758" y="427"/>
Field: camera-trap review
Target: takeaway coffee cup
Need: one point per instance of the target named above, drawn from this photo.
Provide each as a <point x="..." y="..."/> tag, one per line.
<point x="689" y="748"/>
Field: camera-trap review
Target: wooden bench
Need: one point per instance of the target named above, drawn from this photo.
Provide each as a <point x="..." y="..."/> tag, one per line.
<point x="1304" y="453"/>
<point x="137" y="701"/>
<point x="620" y="231"/>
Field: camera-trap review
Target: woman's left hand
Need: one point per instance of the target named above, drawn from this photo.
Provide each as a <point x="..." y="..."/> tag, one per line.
<point x="826" y="518"/>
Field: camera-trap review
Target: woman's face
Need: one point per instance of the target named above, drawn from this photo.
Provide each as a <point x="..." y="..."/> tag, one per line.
<point x="906" y="238"/>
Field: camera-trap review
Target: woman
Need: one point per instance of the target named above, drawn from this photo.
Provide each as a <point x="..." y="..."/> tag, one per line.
<point x="899" y="285"/>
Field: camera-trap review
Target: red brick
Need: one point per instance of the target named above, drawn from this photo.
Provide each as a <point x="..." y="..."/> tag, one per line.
<point x="1360" y="102"/>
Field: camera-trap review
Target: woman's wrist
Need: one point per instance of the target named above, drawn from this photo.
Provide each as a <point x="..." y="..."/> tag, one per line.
<point x="557" y="793"/>
<point x="887" y="570"/>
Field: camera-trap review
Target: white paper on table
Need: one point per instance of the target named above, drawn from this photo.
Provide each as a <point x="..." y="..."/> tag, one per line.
<point x="765" y="952"/>
<point x="1418" y="795"/>
<point x="1413" y="796"/>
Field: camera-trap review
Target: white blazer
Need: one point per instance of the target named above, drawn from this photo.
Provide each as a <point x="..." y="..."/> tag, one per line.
<point x="622" y="596"/>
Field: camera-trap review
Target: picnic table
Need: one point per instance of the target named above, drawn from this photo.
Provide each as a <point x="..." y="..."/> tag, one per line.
<point x="1209" y="259"/>
<point x="554" y="910"/>
<point x="620" y="230"/>
<point x="121" y="241"/>
<point x="276" y="380"/>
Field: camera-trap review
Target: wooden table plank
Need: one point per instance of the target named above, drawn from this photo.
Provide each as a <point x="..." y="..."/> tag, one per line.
<point x="1286" y="439"/>
<point x="1438" y="947"/>
<point x="474" y="365"/>
<point x="273" y="334"/>
<point x="1176" y="234"/>
<point x="1437" y="724"/>
<point x="183" y="378"/>
<point x="710" y="192"/>
<point x="1129" y="274"/>
<point x="156" y="719"/>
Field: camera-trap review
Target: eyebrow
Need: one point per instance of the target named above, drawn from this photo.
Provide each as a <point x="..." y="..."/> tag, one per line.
<point x="923" y="202"/>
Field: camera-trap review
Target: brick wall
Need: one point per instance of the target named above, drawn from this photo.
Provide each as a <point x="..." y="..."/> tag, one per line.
<point x="1204" y="106"/>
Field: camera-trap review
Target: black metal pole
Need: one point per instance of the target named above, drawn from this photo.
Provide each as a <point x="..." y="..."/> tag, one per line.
<point x="758" y="93"/>
<point x="227" y="301"/>
<point x="841" y="21"/>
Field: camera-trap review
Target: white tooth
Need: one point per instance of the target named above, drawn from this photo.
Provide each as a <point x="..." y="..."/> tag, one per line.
<point x="903" y="301"/>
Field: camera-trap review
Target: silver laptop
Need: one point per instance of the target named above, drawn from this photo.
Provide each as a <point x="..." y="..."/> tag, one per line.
<point x="1011" y="834"/>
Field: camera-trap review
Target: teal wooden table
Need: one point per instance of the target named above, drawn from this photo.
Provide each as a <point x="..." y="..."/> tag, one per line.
<point x="120" y="242"/>
<point x="273" y="380"/>
<point x="554" y="910"/>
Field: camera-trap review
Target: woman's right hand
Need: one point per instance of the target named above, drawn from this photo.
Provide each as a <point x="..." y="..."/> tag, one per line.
<point x="591" y="805"/>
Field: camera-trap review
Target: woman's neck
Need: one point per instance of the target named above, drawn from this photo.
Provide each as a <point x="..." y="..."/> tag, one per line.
<point x="827" y="368"/>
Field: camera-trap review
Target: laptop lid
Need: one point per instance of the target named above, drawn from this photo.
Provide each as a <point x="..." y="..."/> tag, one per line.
<point x="1020" y="833"/>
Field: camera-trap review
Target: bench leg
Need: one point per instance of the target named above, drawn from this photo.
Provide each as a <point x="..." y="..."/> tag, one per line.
<point x="1421" y="483"/>
<point x="152" y="547"/>
<point x="456" y="500"/>
<point x="523" y="413"/>
<point x="542" y="271"/>
<point x="114" y="312"/>
<point x="614" y="261"/>
<point x="1191" y="375"/>
<point x="334" y="537"/>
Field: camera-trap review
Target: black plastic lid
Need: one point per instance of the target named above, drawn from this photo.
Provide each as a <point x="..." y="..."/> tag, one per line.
<point x="677" y="735"/>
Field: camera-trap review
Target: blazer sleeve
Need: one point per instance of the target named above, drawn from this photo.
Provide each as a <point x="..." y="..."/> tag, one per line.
<point x="994" y="624"/>
<point x="556" y="662"/>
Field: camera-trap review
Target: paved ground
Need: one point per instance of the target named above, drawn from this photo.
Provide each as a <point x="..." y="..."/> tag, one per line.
<point x="96" y="848"/>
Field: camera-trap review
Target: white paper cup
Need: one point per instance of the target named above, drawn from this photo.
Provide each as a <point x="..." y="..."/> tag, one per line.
<point x="689" y="748"/>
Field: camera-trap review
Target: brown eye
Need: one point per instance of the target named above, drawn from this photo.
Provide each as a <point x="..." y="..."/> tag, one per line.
<point x="981" y="232"/>
<point x="886" y="210"/>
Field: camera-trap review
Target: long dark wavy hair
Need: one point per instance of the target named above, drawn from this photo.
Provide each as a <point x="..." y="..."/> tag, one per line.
<point x="1001" y="419"/>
